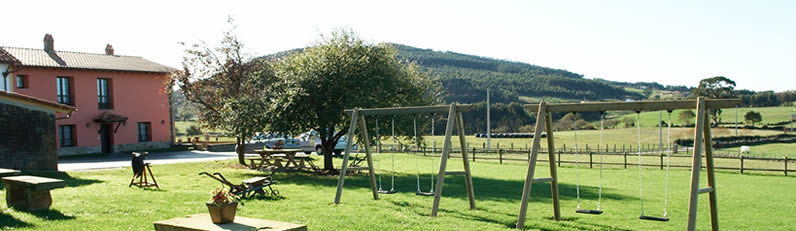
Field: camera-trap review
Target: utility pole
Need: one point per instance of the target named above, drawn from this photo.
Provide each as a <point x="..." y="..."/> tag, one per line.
<point x="488" y="133"/>
<point x="736" y="120"/>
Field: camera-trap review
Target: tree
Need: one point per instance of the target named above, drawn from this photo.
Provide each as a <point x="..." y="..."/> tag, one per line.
<point x="686" y="116"/>
<point x="232" y="90"/>
<point x="716" y="88"/>
<point x="343" y="72"/>
<point x="753" y="116"/>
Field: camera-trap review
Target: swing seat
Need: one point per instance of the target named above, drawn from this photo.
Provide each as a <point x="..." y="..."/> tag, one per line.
<point x="386" y="191"/>
<point x="651" y="218"/>
<point x="589" y="211"/>
<point x="424" y="193"/>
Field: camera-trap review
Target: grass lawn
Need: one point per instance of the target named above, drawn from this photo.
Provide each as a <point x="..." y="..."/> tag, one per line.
<point x="101" y="200"/>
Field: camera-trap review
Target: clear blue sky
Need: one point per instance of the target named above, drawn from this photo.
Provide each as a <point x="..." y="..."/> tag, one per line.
<point x="671" y="42"/>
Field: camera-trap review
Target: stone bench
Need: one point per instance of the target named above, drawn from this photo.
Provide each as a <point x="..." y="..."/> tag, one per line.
<point x="4" y="172"/>
<point x="30" y="192"/>
<point x="202" y="222"/>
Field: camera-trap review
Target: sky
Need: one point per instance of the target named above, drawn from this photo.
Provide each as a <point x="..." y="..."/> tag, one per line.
<point x="669" y="42"/>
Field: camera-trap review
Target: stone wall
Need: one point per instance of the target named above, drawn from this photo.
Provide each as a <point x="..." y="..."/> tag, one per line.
<point x="27" y="139"/>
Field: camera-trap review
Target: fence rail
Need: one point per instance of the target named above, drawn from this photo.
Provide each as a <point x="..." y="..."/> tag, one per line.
<point x="647" y="154"/>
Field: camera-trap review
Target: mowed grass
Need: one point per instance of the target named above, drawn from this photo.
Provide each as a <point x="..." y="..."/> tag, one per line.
<point x="101" y="200"/>
<point x="769" y="114"/>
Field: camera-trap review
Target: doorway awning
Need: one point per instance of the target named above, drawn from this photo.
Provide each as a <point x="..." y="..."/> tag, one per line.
<point x="110" y="118"/>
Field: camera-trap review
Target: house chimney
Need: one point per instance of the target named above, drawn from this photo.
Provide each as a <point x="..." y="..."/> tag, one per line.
<point x="49" y="42"/>
<point x="108" y="49"/>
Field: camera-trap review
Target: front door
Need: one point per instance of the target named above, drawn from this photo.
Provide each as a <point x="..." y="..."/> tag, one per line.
<point x="106" y="137"/>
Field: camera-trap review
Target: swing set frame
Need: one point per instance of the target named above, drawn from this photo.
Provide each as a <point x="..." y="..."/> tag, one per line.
<point x="702" y="139"/>
<point x="455" y="118"/>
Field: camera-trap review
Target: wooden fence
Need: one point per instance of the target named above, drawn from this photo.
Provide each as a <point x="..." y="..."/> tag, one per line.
<point x="647" y="151"/>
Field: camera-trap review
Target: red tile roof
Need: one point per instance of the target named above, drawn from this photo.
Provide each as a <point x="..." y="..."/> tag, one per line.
<point x="5" y="57"/>
<point x="78" y="60"/>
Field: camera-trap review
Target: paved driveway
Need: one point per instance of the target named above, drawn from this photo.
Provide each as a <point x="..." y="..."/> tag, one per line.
<point x="119" y="160"/>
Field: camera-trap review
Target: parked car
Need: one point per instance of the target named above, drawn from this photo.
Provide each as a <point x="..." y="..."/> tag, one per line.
<point x="290" y="143"/>
<point x="314" y="137"/>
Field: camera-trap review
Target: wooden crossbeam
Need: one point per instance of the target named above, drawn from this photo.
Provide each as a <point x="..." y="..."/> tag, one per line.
<point x="634" y="106"/>
<point x="410" y="110"/>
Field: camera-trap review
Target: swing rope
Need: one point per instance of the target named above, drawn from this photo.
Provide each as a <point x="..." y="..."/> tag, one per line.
<point x="638" y="148"/>
<point x="417" y="164"/>
<point x="600" y="193"/>
<point x="577" y="174"/>
<point x="378" y="149"/>
<point x="641" y="180"/>
<point x="668" y="164"/>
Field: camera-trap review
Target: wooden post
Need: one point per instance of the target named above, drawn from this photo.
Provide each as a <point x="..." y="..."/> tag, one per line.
<point x="559" y="158"/>
<point x="369" y="156"/>
<point x="473" y="154"/>
<point x="590" y="159"/>
<point x="696" y="164"/>
<point x="446" y="148"/>
<point x="553" y="170"/>
<point x="709" y="165"/>
<point x="500" y="155"/>
<point x="526" y="191"/>
<point x="625" y="153"/>
<point x="351" y="130"/>
<point x="468" y="178"/>
<point x="614" y="147"/>
<point x="512" y="147"/>
<point x="786" y="165"/>
<point x="661" y="160"/>
<point x="741" y="163"/>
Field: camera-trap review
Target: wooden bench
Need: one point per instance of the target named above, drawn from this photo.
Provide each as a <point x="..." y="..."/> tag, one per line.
<point x="202" y="222"/>
<point x="30" y="192"/>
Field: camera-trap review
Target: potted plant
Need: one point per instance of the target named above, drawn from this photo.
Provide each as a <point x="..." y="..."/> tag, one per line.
<point x="222" y="206"/>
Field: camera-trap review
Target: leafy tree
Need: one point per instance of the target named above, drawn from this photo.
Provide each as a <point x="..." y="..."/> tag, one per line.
<point x="629" y="122"/>
<point x="716" y="88"/>
<point x="753" y="116"/>
<point x="231" y="89"/>
<point x="343" y="72"/>
<point x="686" y="116"/>
<point x="193" y="130"/>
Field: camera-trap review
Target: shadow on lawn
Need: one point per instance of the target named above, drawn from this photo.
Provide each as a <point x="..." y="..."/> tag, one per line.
<point x="485" y="188"/>
<point x="68" y="180"/>
<point x="9" y="222"/>
<point x="51" y="215"/>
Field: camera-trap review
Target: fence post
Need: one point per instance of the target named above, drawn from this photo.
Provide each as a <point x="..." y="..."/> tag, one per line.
<point x="625" y="157"/>
<point x="526" y="147"/>
<point x="565" y="147"/>
<point x="559" y="158"/>
<point x="661" y="160"/>
<point x="786" y="165"/>
<point x="741" y="163"/>
<point x="424" y="150"/>
<point x="590" y="165"/>
<point x="623" y="147"/>
<point x="498" y="146"/>
<point x="512" y="147"/>
<point x="500" y="155"/>
<point x="614" y="147"/>
<point x="473" y="154"/>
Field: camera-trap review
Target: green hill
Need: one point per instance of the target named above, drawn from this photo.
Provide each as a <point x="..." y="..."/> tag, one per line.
<point x="464" y="79"/>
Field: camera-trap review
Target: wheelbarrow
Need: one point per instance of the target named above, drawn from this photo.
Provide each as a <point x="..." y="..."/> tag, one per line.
<point x="248" y="188"/>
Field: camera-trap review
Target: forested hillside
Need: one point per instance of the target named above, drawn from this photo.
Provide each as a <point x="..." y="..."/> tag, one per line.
<point x="464" y="78"/>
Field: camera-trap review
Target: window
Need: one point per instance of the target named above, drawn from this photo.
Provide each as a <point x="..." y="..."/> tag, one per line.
<point x="67" y="135"/>
<point x="22" y="81"/>
<point x="65" y="91"/>
<point x="3" y="83"/>
<point x="144" y="131"/>
<point x="104" y="93"/>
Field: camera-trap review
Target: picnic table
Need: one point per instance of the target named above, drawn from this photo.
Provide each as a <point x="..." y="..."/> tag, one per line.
<point x="281" y="159"/>
<point x="4" y="172"/>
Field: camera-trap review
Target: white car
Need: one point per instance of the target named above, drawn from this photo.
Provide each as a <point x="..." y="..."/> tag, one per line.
<point x="316" y="142"/>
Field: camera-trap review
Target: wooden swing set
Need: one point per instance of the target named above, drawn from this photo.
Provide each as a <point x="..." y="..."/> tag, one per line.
<point x="702" y="139"/>
<point x="454" y="119"/>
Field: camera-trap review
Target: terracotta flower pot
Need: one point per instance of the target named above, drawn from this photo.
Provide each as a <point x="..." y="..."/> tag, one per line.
<point x="225" y="213"/>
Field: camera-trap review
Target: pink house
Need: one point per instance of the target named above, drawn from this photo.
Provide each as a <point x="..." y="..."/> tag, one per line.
<point x="122" y="103"/>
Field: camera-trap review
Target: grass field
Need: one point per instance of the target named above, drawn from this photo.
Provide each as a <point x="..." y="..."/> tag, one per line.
<point x="769" y="114"/>
<point x="101" y="200"/>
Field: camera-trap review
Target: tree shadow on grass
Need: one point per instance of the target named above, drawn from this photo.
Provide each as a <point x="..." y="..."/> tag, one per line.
<point x="9" y="222"/>
<point x="50" y="215"/>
